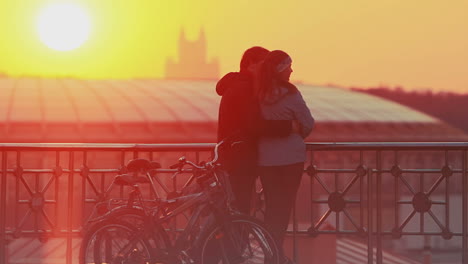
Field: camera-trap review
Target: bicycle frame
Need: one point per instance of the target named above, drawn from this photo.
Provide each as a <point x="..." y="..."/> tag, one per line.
<point x="200" y="201"/>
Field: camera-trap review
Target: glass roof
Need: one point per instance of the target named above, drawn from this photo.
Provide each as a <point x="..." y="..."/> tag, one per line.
<point x="103" y="101"/>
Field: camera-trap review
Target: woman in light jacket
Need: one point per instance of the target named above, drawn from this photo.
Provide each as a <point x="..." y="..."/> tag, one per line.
<point x="281" y="159"/>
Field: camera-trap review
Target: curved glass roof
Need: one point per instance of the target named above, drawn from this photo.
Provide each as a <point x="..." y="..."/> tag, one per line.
<point x="183" y="111"/>
<point x="28" y="100"/>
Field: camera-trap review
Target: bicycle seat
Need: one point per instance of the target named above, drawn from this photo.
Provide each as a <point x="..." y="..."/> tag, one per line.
<point x="126" y="179"/>
<point x="138" y="165"/>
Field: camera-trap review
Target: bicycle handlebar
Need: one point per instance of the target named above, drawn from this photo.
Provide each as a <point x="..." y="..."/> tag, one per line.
<point x="210" y="164"/>
<point x="181" y="164"/>
<point x="183" y="161"/>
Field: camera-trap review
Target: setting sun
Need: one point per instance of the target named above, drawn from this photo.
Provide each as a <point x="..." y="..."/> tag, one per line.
<point x="63" y="27"/>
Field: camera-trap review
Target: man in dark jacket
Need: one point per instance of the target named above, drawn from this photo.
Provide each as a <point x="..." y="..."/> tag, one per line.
<point x="239" y="116"/>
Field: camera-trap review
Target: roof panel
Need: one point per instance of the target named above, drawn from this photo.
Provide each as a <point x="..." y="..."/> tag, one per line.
<point x="26" y="104"/>
<point x="6" y="89"/>
<point x="111" y="98"/>
<point x="57" y="106"/>
<point x="197" y="96"/>
<point x="179" y="104"/>
<point x="362" y="107"/>
<point x="154" y="108"/>
<point x="87" y="105"/>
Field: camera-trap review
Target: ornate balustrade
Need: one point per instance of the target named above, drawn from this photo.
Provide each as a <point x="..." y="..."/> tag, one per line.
<point x="404" y="197"/>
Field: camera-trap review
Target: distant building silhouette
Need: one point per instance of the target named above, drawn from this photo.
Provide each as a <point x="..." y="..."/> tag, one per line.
<point x="192" y="62"/>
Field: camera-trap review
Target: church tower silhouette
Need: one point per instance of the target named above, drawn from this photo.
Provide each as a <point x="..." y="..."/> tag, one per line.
<point x="192" y="62"/>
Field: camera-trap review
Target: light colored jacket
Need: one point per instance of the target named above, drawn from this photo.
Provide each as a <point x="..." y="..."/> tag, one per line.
<point x="277" y="151"/>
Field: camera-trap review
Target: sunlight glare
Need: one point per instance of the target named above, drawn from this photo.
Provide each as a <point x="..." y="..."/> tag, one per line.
<point x="63" y="27"/>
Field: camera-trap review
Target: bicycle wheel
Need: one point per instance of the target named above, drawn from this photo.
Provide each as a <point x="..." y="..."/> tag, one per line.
<point x="240" y="239"/>
<point x="113" y="242"/>
<point x="134" y="216"/>
<point x="159" y="238"/>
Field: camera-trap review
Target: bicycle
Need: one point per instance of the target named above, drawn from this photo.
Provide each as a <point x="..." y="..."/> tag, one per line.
<point x="137" y="171"/>
<point x="215" y="232"/>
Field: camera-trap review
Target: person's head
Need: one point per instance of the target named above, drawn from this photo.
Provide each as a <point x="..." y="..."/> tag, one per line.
<point x="275" y="71"/>
<point x="277" y="65"/>
<point x="252" y="58"/>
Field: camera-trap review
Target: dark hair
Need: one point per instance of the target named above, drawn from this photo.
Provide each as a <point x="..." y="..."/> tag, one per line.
<point x="251" y="56"/>
<point x="269" y="76"/>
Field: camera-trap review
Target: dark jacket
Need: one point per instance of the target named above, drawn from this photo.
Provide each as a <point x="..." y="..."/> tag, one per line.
<point x="239" y="111"/>
<point x="239" y="119"/>
<point x="237" y="108"/>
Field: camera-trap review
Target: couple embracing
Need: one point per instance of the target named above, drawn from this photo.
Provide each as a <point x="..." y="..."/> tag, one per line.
<point x="264" y="110"/>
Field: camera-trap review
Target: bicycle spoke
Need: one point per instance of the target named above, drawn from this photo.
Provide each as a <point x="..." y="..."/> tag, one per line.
<point x="115" y="243"/>
<point x="239" y="241"/>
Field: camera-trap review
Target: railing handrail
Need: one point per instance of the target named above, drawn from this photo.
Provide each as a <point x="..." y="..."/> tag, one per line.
<point x="388" y="146"/>
<point x="207" y="146"/>
<point x="107" y="146"/>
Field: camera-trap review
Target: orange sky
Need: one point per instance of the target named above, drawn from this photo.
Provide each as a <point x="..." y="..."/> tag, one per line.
<point x="418" y="44"/>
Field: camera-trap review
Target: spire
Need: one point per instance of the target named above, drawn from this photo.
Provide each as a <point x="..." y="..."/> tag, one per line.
<point x="192" y="63"/>
<point x="201" y="36"/>
<point x="182" y="34"/>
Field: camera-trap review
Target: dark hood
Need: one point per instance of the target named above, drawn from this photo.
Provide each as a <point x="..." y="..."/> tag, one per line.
<point x="232" y="79"/>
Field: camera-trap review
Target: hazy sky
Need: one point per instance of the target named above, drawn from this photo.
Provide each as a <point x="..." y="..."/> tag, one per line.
<point x="417" y="44"/>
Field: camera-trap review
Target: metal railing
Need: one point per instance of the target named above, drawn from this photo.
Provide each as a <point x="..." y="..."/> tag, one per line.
<point x="369" y="191"/>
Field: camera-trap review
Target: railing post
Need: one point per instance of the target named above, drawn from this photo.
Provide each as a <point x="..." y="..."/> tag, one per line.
<point x="370" y="245"/>
<point x="295" y="249"/>
<point x="379" y="207"/>
<point x="3" y="196"/>
<point x="464" y="209"/>
<point x="70" y="209"/>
